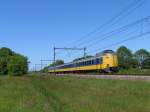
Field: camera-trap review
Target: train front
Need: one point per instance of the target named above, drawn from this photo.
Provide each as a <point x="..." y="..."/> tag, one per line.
<point x="110" y="61"/>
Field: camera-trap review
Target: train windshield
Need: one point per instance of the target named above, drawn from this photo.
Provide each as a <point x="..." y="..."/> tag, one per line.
<point x="108" y="51"/>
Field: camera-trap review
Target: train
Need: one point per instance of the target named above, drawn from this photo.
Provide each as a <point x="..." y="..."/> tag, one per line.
<point x="106" y="61"/>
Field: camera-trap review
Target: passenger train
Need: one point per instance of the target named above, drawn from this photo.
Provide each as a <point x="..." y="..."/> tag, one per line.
<point x="105" y="61"/>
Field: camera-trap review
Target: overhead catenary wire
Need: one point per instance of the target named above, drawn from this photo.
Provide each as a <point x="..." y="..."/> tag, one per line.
<point x="120" y="42"/>
<point x="140" y="34"/>
<point x="135" y="4"/>
<point x="93" y="52"/>
<point x="117" y="31"/>
<point x="129" y="9"/>
<point x="121" y="30"/>
<point x="124" y="15"/>
<point x="125" y="12"/>
<point x="141" y="21"/>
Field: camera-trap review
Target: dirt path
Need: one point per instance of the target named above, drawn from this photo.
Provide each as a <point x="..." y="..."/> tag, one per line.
<point x="118" y="77"/>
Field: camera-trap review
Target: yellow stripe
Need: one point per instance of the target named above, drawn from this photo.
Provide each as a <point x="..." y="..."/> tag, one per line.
<point x="93" y="67"/>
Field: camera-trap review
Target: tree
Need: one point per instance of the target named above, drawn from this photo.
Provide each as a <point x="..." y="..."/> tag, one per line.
<point x="11" y="62"/>
<point x="3" y="66"/>
<point x="125" y="58"/>
<point x="18" y="65"/>
<point x="141" y="55"/>
<point x="45" y="69"/>
<point x="57" y="62"/>
<point x="146" y="63"/>
<point x="6" y="52"/>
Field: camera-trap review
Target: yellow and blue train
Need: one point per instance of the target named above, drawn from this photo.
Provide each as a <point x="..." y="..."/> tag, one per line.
<point x="106" y="61"/>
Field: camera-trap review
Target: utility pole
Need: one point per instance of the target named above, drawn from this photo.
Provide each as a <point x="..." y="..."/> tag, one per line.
<point x="54" y="59"/>
<point x="84" y="52"/>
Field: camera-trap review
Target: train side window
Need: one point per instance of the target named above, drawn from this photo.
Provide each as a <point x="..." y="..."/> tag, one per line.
<point x="97" y="61"/>
<point x="89" y="63"/>
<point x="92" y="62"/>
<point x="82" y="63"/>
<point x="101" y="60"/>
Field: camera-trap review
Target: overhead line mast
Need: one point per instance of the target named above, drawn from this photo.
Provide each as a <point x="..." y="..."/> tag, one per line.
<point x="64" y="48"/>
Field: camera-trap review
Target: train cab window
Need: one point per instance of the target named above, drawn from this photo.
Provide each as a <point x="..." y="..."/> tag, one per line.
<point x="108" y="51"/>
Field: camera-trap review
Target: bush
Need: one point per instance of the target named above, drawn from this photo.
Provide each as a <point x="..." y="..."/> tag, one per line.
<point x="17" y="65"/>
<point x="3" y="66"/>
<point x="12" y="63"/>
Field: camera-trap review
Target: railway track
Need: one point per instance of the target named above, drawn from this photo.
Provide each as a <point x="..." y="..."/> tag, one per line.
<point x="116" y="77"/>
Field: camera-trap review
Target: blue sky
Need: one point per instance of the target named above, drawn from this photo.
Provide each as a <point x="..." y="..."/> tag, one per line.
<point x="33" y="27"/>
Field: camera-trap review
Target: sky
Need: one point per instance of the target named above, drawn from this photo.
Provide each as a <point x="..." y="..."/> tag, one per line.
<point x="34" y="27"/>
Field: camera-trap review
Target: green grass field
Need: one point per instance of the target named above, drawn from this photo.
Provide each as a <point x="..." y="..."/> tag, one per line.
<point x="72" y="94"/>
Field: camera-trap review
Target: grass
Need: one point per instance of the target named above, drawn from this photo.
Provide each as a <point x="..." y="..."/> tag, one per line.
<point x="72" y="94"/>
<point x="135" y="71"/>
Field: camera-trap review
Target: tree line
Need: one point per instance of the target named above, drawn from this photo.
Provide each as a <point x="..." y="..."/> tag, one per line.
<point x="127" y="59"/>
<point x="12" y="63"/>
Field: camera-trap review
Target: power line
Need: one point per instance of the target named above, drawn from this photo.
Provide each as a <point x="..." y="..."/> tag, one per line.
<point x="125" y="40"/>
<point x="125" y="12"/>
<point x="121" y="30"/>
<point x="113" y="23"/>
<point x="117" y="31"/>
<point x="128" y="34"/>
<point x="112" y="19"/>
